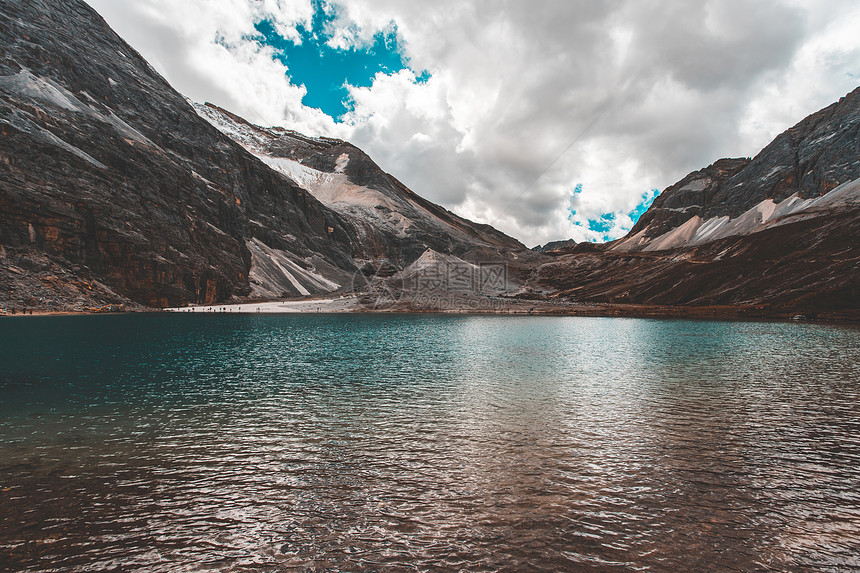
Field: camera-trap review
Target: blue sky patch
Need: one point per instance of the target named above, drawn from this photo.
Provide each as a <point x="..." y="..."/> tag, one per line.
<point x="647" y="198"/>
<point x="606" y="222"/>
<point x="602" y="225"/>
<point x="326" y="71"/>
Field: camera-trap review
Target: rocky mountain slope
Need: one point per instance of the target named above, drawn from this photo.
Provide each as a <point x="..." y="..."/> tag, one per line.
<point x="811" y="267"/>
<point x="779" y="231"/>
<point x="555" y="246"/>
<point x="113" y="190"/>
<point x="347" y="181"/>
<point x="790" y="179"/>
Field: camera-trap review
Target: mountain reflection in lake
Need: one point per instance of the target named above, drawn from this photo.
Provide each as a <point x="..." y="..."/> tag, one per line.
<point x="260" y="443"/>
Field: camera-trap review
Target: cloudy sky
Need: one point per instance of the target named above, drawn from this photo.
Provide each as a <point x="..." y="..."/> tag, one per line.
<point x="549" y="119"/>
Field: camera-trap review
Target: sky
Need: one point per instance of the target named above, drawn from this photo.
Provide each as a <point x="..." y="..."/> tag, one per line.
<point x="549" y="120"/>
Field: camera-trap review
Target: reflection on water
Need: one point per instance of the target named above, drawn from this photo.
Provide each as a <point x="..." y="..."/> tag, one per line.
<point x="265" y="443"/>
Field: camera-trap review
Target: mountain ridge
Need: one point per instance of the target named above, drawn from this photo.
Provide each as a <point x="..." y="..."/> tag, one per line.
<point x="116" y="191"/>
<point x="779" y="233"/>
<point x="274" y="145"/>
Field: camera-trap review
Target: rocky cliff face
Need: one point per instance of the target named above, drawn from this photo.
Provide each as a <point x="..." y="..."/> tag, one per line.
<point x="114" y="190"/>
<point x="109" y="173"/>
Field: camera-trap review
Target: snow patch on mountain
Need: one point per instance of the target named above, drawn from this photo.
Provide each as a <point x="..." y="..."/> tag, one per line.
<point x="306" y="177"/>
<point x="243" y="134"/>
<point x="249" y="136"/>
<point x="24" y="124"/>
<point x="341" y="163"/>
<point x="696" y="185"/>
<point x="336" y="191"/>
<point x="25" y="84"/>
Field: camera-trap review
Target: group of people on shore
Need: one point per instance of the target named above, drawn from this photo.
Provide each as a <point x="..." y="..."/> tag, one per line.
<point x="14" y="311"/>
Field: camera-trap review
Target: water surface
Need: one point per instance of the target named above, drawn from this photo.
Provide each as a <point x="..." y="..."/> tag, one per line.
<point x="350" y="442"/>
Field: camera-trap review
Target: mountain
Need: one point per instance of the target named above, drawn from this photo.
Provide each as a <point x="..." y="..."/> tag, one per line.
<point x="793" y="178"/>
<point x="114" y="189"/>
<point x="555" y="246"/>
<point x="391" y="219"/>
<point x="779" y="232"/>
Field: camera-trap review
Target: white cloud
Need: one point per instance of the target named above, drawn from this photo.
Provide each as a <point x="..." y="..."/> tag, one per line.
<point x="204" y="49"/>
<point x="826" y="68"/>
<point x="673" y="85"/>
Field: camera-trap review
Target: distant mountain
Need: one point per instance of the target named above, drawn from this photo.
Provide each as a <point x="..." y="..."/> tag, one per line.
<point x="554" y="246"/>
<point x="806" y="172"/>
<point x="780" y="232"/>
<point x="114" y="190"/>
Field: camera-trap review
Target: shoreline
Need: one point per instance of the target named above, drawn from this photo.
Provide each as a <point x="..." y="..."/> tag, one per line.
<point x="496" y="307"/>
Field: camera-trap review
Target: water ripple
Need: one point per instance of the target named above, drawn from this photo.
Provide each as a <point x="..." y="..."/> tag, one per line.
<point x="266" y="443"/>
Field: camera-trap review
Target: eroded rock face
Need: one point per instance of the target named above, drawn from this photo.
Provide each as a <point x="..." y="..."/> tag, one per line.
<point x="686" y="198"/>
<point x="810" y="266"/>
<point x="781" y="231"/>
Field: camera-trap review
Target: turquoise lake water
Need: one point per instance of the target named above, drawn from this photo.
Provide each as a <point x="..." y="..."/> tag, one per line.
<point x="397" y="442"/>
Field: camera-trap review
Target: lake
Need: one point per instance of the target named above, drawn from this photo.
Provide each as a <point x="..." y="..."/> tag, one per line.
<point x="161" y="442"/>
